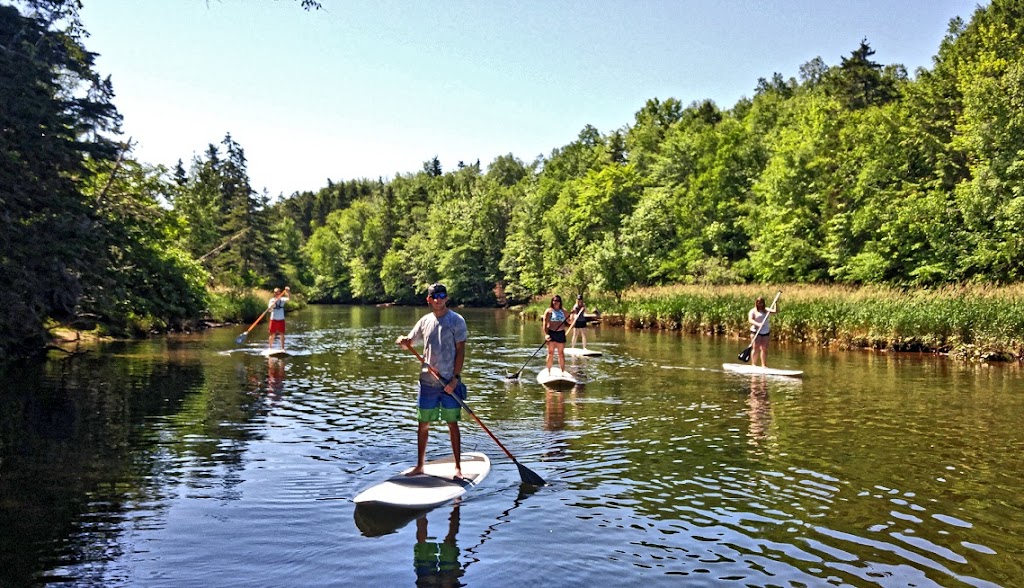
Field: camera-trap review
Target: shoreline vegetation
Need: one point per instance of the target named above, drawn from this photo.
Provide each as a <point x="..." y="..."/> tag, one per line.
<point x="972" y="323"/>
<point x="967" y="323"/>
<point x="225" y="307"/>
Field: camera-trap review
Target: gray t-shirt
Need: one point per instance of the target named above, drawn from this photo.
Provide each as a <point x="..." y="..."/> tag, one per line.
<point x="439" y="336"/>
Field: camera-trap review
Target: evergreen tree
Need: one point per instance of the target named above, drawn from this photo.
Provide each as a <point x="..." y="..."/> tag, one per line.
<point x="245" y="227"/>
<point x="858" y="82"/>
<point x="55" y="110"/>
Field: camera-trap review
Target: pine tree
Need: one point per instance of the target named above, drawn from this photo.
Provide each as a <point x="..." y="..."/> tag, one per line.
<point x="53" y="115"/>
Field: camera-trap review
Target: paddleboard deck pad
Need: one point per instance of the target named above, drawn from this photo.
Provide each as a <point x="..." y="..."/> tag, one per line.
<point x="434" y="487"/>
<point x="555" y="377"/>
<point x="573" y="351"/>
<point x="742" y="368"/>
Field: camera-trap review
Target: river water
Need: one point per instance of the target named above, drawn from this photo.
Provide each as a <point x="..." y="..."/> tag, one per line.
<point x="192" y="461"/>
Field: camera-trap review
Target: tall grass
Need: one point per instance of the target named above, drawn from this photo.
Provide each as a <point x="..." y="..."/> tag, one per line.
<point x="231" y="305"/>
<point x="975" y="322"/>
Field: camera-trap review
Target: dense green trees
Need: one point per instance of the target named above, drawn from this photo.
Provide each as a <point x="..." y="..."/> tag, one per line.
<point x="856" y="173"/>
<point x="83" y="238"/>
<point x="228" y="226"/>
<point x="87" y="236"/>
<point x="41" y="156"/>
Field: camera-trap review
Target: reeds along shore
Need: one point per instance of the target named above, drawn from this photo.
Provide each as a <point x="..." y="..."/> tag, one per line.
<point x="969" y="322"/>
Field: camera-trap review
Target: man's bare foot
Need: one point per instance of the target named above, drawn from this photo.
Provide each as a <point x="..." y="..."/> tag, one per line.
<point x="415" y="471"/>
<point x="458" y="474"/>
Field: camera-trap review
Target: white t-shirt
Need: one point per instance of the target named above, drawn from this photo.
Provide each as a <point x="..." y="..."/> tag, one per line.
<point x="277" y="308"/>
<point x="757" y="317"/>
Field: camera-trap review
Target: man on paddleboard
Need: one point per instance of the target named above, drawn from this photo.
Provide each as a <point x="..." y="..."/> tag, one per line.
<point x="276" y="307"/>
<point x="443" y="334"/>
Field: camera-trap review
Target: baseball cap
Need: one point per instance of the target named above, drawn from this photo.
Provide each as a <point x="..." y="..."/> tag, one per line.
<point x="437" y="291"/>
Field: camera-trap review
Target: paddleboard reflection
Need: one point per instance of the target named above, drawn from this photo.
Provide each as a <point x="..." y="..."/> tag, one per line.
<point x="435" y="557"/>
<point x="375" y="520"/>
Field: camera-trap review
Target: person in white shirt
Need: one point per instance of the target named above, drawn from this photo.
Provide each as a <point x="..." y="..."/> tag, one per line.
<point x="758" y="317"/>
<point x="276" y="308"/>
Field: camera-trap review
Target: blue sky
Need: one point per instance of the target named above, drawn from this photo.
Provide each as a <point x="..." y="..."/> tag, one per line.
<point x="368" y="88"/>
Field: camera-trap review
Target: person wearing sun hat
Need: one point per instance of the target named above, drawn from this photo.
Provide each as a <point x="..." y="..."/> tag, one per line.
<point x="443" y="333"/>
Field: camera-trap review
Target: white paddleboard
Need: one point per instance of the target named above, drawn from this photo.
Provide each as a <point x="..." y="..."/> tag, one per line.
<point x="275" y="352"/>
<point x="434" y="487"/>
<point x="574" y="351"/>
<point x="555" y="377"/>
<point x="742" y="368"/>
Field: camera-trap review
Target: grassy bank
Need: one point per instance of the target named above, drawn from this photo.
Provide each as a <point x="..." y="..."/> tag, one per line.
<point x="971" y="322"/>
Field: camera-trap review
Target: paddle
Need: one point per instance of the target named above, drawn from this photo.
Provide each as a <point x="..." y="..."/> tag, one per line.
<point x="744" y="355"/>
<point x="515" y="376"/>
<point x="528" y="476"/>
<point x="241" y="338"/>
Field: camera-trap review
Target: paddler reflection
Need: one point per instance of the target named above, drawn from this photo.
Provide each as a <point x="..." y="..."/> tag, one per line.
<point x="437" y="562"/>
<point x="275" y="375"/>
<point x="554" y="405"/>
<point x="759" y="410"/>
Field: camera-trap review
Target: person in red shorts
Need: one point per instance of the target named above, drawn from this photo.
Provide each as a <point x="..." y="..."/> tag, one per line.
<point x="276" y="308"/>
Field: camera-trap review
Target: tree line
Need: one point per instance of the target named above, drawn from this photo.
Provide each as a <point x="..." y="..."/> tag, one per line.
<point x="854" y="173"/>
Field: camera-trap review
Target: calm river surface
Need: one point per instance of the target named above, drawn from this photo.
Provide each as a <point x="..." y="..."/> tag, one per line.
<point x="187" y="461"/>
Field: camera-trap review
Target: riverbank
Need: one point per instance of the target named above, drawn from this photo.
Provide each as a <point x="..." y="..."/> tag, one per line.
<point x="225" y="307"/>
<point x="978" y="323"/>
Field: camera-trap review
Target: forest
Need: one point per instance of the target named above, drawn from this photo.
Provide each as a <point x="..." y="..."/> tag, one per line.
<point x="856" y="174"/>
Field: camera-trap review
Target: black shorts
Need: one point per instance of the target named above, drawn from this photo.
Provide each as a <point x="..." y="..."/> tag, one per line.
<point x="557" y="336"/>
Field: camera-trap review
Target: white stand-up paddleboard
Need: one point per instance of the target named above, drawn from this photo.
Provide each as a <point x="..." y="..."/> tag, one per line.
<point x="434" y="487"/>
<point x="555" y="377"/>
<point x="275" y="352"/>
<point x="742" y="368"/>
<point x="573" y="351"/>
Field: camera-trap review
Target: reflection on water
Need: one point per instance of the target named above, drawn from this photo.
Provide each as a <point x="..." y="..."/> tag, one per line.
<point x="554" y="405"/>
<point x="760" y="411"/>
<point x="189" y="461"/>
<point x="436" y="558"/>
<point x="275" y="375"/>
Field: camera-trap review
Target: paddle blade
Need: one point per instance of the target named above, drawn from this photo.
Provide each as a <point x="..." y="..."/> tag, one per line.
<point x="514" y="376"/>
<point x="241" y="338"/>
<point x="529" y="476"/>
<point x="744" y="355"/>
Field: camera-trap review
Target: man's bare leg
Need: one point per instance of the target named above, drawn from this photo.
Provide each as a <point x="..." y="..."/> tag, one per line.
<point x="422" y="430"/>
<point x="456" y="435"/>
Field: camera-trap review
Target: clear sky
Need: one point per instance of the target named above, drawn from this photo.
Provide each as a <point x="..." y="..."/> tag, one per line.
<point x="368" y="88"/>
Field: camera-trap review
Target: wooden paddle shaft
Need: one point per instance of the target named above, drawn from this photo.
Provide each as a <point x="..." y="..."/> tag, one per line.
<point x="461" y="402"/>
<point x="253" y="325"/>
